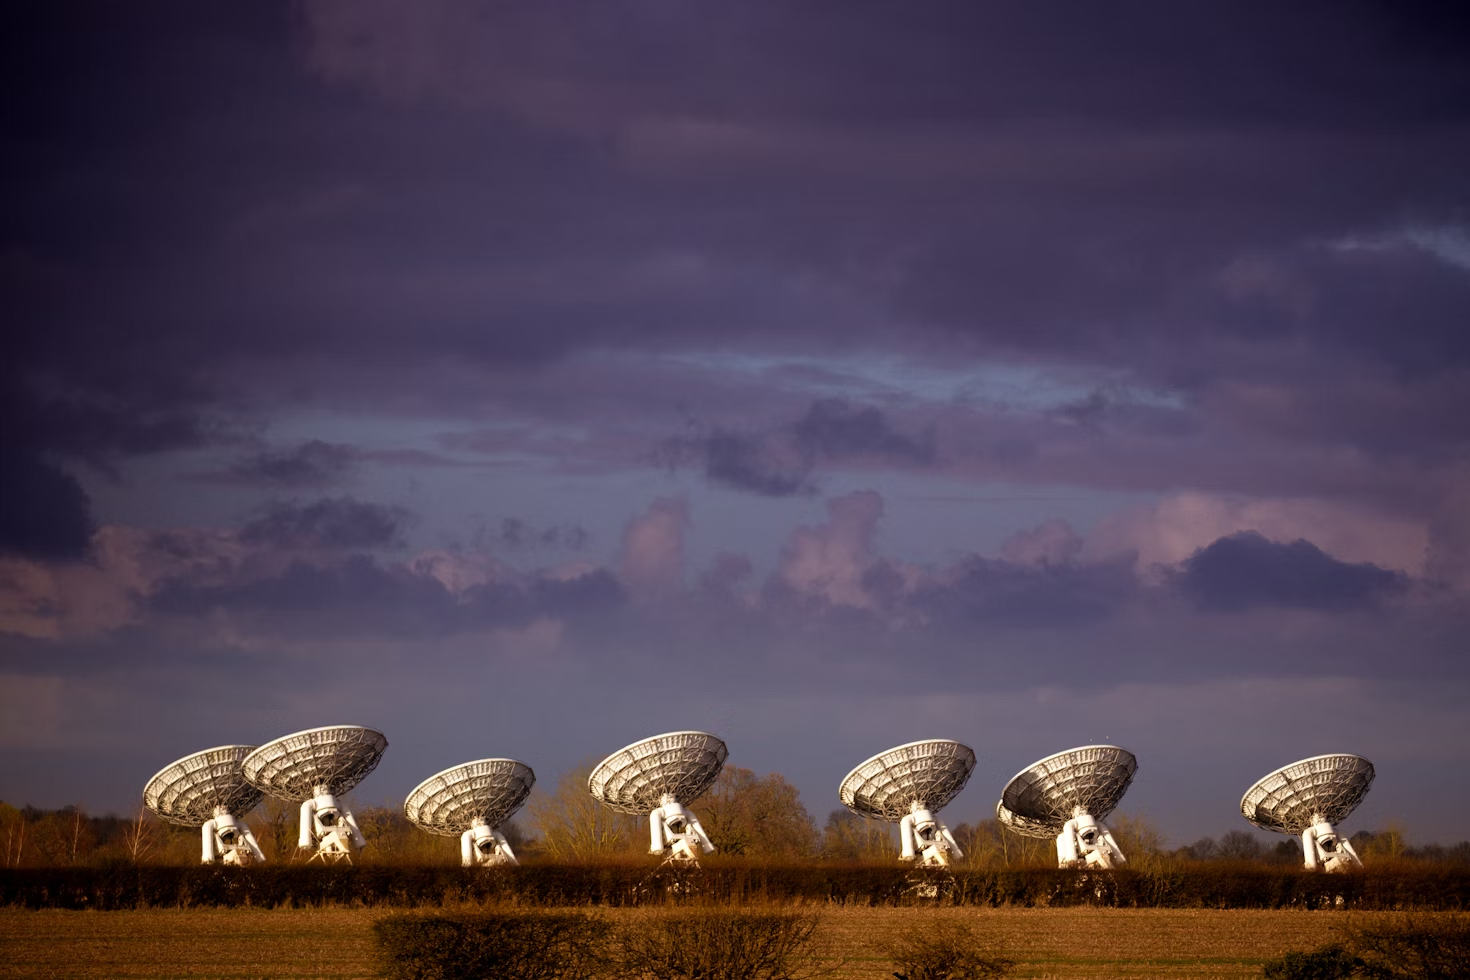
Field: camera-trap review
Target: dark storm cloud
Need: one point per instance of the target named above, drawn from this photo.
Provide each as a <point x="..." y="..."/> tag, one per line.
<point x="360" y="596"/>
<point x="1246" y="570"/>
<point x="833" y="604"/>
<point x="1273" y="248"/>
<point x="780" y="462"/>
<point x="516" y="534"/>
<point x="337" y="523"/>
<point x="834" y="429"/>
<point x="312" y="464"/>
<point x="739" y="461"/>
<point x="102" y="361"/>
<point x="1065" y="595"/>
<point x="840" y="61"/>
<point x="1204" y="251"/>
<point x="1136" y="175"/>
<point x="44" y="512"/>
<point x="1126" y="410"/>
<point x="976" y="593"/>
<point x="1134" y="167"/>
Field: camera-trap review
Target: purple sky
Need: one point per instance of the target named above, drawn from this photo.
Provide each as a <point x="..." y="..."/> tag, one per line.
<point x="524" y="379"/>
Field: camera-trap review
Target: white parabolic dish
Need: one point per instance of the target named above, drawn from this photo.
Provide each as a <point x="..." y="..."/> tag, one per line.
<point x="635" y="778"/>
<point x="929" y="773"/>
<point x="1294" y="797"/>
<point x="187" y="791"/>
<point x="1040" y="799"/>
<point x="449" y="802"/>
<point x="337" y="757"/>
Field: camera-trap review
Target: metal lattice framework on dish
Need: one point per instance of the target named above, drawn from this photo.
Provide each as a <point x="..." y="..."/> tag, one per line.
<point x="888" y="786"/>
<point x="1294" y="797"/>
<point x="1040" y="799"/>
<point x="635" y="779"/>
<point x="337" y="757"/>
<point x="448" y="802"/>
<point x="186" y="792"/>
<point x="1024" y="826"/>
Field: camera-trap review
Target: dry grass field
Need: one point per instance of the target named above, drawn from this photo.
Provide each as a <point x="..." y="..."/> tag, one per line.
<point x="1053" y="943"/>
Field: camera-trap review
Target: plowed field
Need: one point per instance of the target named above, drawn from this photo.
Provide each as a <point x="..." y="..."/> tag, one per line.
<point x="1053" y="943"/>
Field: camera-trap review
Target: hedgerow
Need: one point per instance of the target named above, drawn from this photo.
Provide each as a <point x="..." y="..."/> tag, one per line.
<point x="545" y="885"/>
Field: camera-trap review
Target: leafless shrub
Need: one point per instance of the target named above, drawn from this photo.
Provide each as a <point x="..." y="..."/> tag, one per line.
<point x="1417" y="946"/>
<point x="505" y="944"/>
<point x="718" y="944"/>
<point x="944" y="950"/>
<point x="1327" y="963"/>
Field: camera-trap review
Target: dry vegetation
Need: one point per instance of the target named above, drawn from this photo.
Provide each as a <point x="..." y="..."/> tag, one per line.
<point x="1054" y="943"/>
<point x="293" y="921"/>
<point x="751" y="817"/>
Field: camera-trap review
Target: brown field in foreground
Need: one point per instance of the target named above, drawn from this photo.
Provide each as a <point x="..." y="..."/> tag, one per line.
<point x="1052" y="943"/>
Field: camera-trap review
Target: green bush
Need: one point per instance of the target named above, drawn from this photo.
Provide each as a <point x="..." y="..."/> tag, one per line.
<point x="717" y="944"/>
<point x="944" y="950"/>
<point x="1328" y="963"/>
<point x="483" y="945"/>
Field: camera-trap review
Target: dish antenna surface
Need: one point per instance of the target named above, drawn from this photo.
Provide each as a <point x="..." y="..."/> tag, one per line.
<point x="1066" y="796"/>
<point x="313" y="768"/>
<point x="908" y="785"/>
<point x="207" y="790"/>
<point x="657" y="776"/>
<point x="1307" y="798"/>
<point x="471" y="801"/>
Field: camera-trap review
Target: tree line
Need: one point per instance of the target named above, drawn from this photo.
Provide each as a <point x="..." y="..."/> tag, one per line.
<point x="747" y="816"/>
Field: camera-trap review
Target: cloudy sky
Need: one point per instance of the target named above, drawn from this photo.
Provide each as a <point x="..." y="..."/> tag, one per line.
<point x="523" y="379"/>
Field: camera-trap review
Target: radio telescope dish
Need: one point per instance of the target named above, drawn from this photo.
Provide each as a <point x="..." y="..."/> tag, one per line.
<point x="312" y="768"/>
<point x="929" y="773"/>
<point x="1307" y="798"/>
<point x="657" y="776"/>
<point x="337" y="757"/>
<point x="907" y="785"/>
<point x="187" y="791"/>
<point x="471" y="801"/>
<point x="679" y="764"/>
<point x="1066" y="796"/>
<point x="208" y="790"/>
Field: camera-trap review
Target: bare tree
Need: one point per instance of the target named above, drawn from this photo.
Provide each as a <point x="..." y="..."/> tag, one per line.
<point x="1239" y="845"/>
<point x="1201" y="850"/>
<point x="14" y="823"/>
<point x="849" y="837"/>
<point x="139" y="836"/>
<point x="80" y="836"/>
<point x="1019" y="850"/>
<point x="572" y="825"/>
<point x="1387" y="843"/>
<point x="393" y="838"/>
<point x="986" y="843"/>
<point x="49" y="838"/>
<point x="1141" y="842"/>
<point x="757" y="816"/>
<point x="275" y="828"/>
